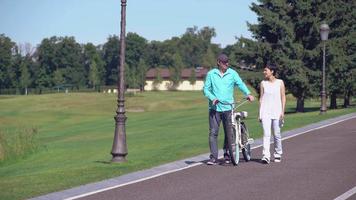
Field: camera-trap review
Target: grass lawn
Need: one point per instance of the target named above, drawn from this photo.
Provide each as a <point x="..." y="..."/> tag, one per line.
<point x="75" y="135"/>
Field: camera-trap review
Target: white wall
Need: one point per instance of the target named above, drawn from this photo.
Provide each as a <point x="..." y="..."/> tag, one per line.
<point x="183" y="86"/>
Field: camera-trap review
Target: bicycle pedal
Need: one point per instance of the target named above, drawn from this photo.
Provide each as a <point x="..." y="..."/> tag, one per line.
<point x="251" y="140"/>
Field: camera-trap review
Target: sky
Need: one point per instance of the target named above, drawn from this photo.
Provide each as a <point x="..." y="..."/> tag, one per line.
<point x="30" y="21"/>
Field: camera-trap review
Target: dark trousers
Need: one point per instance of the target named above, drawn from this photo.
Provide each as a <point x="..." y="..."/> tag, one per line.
<point x="215" y="119"/>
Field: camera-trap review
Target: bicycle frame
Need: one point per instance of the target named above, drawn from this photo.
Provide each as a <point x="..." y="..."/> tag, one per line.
<point x="237" y="125"/>
<point x="236" y="118"/>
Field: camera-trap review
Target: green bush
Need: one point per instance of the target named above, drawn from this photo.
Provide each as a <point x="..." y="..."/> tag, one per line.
<point x="17" y="143"/>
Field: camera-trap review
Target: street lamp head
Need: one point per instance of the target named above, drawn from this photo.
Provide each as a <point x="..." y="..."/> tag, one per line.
<point x="324" y="31"/>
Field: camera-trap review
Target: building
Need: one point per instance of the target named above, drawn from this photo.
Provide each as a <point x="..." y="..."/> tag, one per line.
<point x="167" y="84"/>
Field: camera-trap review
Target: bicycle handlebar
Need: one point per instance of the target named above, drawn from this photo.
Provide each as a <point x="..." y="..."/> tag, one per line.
<point x="235" y="103"/>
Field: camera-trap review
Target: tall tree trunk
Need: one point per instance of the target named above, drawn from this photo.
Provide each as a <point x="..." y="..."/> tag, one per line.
<point x="333" y="104"/>
<point x="300" y="104"/>
<point x="141" y="88"/>
<point x="346" y="101"/>
<point x="347" y="98"/>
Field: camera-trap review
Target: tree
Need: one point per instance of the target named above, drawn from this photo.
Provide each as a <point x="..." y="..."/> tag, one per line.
<point x="154" y="54"/>
<point x="209" y="59"/>
<point x="142" y="67"/>
<point x="48" y="61"/>
<point x="94" y="78"/>
<point x="287" y="33"/>
<point x="350" y="88"/>
<point x="14" y="71"/>
<point x="25" y="78"/>
<point x="69" y="55"/>
<point x="26" y="49"/>
<point x="62" y="54"/>
<point x="93" y="66"/>
<point x="194" y="44"/>
<point x="278" y="43"/>
<point x="158" y="79"/>
<point x="130" y="76"/>
<point x="206" y="34"/>
<point x="341" y="48"/>
<point x="58" y="78"/>
<point x="136" y="51"/>
<point x="338" y="72"/>
<point x="176" y="70"/>
<point x="6" y="48"/>
<point x="110" y="55"/>
<point x="25" y="64"/>
<point x="192" y="77"/>
<point x="246" y="50"/>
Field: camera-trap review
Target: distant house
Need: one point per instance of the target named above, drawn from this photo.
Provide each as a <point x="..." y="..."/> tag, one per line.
<point x="166" y="83"/>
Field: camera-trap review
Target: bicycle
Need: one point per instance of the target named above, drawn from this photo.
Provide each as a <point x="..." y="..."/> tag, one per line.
<point x="240" y="136"/>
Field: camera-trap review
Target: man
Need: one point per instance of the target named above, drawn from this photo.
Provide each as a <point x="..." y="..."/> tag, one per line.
<point x="219" y="87"/>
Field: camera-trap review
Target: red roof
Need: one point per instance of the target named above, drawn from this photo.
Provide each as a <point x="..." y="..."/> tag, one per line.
<point x="200" y="73"/>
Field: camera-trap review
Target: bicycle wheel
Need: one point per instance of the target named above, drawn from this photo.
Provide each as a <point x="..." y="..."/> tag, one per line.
<point x="246" y="151"/>
<point x="233" y="147"/>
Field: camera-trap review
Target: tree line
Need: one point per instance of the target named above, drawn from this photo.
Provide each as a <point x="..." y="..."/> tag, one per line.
<point x="62" y="60"/>
<point x="286" y="34"/>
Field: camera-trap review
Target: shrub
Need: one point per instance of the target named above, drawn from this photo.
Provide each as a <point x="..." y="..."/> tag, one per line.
<point x="18" y="143"/>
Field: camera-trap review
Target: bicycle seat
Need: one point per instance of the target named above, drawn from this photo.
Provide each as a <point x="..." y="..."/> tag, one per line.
<point x="241" y="114"/>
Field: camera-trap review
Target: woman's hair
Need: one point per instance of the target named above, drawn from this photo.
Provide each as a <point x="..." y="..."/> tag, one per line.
<point x="272" y="67"/>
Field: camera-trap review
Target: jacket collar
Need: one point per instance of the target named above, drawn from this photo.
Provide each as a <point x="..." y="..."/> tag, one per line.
<point x="217" y="71"/>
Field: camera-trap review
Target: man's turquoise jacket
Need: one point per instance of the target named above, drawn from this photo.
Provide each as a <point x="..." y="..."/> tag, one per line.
<point x="221" y="87"/>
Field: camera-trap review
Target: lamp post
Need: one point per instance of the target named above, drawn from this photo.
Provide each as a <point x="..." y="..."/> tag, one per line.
<point x="119" y="147"/>
<point x="324" y="32"/>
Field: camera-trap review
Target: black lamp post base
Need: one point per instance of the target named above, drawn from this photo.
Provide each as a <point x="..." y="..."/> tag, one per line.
<point x="118" y="159"/>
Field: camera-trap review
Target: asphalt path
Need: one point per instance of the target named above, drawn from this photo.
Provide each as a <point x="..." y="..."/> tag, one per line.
<point x="320" y="164"/>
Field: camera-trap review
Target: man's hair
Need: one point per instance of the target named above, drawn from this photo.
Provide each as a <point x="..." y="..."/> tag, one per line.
<point x="223" y="58"/>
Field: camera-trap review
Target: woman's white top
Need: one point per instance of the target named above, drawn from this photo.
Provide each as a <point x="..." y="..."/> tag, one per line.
<point x="271" y="102"/>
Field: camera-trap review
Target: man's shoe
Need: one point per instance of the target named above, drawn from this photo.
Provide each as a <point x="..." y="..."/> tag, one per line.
<point x="212" y="161"/>
<point x="265" y="160"/>
<point x="227" y="158"/>
<point x="277" y="159"/>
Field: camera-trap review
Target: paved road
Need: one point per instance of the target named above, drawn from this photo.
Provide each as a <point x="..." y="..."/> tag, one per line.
<point x="320" y="164"/>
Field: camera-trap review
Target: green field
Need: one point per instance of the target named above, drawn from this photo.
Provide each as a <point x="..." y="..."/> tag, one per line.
<point x="75" y="133"/>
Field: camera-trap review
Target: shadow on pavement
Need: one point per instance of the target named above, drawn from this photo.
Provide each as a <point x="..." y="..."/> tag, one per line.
<point x="257" y="160"/>
<point x="188" y="162"/>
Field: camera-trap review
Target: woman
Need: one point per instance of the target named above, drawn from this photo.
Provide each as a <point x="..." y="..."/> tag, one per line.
<point x="271" y="115"/>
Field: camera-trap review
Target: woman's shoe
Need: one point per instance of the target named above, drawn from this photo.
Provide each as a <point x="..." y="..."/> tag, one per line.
<point x="265" y="160"/>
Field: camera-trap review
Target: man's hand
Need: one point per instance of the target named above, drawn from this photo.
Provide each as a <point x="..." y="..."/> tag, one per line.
<point x="215" y="101"/>
<point x="250" y="97"/>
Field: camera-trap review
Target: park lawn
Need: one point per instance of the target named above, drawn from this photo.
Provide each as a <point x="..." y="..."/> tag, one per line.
<point x="75" y="135"/>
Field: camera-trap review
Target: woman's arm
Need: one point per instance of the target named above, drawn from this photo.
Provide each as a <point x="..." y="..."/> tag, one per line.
<point x="283" y="98"/>
<point x="260" y="101"/>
